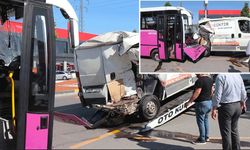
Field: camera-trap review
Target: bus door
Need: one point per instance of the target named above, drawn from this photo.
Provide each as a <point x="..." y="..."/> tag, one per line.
<point x="37" y="78"/>
<point x="174" y="37"/>
<point x="161" y="31"/>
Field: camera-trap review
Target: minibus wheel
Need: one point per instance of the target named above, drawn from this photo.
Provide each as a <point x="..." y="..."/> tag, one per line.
<point x="208" y="49"/>
<point x="207" y="52"/>
<point x="149" y="107"/>
<point x="155" y="55"/>
<point x="184" y="58"/>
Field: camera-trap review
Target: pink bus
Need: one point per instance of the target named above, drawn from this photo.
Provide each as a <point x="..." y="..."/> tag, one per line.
<point x="165" y="35"/>
<point x="27" y="70"/>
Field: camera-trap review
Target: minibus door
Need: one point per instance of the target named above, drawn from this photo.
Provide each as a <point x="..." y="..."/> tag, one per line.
<point x="161" y="32"/>
<point x="174" y="37"/>
<point x="37" y="77"/>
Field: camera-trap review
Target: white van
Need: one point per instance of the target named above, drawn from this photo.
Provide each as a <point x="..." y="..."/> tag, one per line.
<point x="230" y="33"/>
<point x="99" y="63"/>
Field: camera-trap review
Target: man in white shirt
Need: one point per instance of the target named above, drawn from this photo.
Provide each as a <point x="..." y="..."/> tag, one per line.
<point x="230" y="99"/>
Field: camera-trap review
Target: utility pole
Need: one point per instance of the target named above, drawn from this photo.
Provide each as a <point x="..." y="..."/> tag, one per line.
<point x="206" y="11"/>
<point x="81" y="16"/>
<point x="180" y="3"/>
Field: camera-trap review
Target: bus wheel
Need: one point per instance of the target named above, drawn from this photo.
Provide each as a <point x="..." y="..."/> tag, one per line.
<point x="207" y="52"/>
<point x="149" y="107"/>
<point x="184" y="57"/>
<point x="155" y="55"/>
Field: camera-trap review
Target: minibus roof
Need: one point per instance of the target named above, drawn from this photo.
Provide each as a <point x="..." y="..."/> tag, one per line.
<point x="16" y="2"/>
<point x="164" y="8"/>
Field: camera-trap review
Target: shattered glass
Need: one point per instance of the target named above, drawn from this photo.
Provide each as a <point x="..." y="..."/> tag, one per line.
<point x="10" y="42"/>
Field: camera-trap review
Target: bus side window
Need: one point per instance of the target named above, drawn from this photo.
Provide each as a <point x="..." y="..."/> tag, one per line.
<point x="143" y="23"/>
<point x="185" y="21"/>
<point x="178" y="29"/>
<point x="148" y="22"/>
<point x="244" y="26"/>
<point x="151" y="22"/>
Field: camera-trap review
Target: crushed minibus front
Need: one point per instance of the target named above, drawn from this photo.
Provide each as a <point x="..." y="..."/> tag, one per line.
<point x="109" y="80"/>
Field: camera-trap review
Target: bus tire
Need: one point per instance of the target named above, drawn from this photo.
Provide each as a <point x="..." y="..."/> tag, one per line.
<point x="155" y="55"/>
<point x="207" y="53"/>
<point x="184" y="57"/>
<point x="149" y="107"/>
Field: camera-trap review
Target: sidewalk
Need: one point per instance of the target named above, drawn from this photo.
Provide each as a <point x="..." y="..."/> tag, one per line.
<point x="66" y="86"/>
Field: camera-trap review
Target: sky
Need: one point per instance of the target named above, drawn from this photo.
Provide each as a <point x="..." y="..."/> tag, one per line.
<point x="101" y="16"/>
<point x="195" y="6"/>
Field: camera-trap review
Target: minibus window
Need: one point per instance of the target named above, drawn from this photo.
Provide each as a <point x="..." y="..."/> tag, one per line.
<point x="244" y="26"/>
<point x="148" y="22"/>
<point x="39" y="72"/>
<point x="178" y="29"/>
<point x="185" y="21"/>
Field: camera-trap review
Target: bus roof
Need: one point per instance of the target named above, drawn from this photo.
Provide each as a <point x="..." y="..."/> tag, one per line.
<point x="182" y="10"/>
<point x="164" y="8"/>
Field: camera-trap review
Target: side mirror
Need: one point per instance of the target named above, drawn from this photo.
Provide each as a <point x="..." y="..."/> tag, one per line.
<point x="65" y="15"/>
<point x="73" y="33"/>
<point x="72" y="29"/>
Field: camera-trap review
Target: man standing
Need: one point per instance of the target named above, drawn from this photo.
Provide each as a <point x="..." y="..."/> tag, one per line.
<point x="202" y="96"/>
<point x="248" y="54"/>
<point x="229" y="98"/>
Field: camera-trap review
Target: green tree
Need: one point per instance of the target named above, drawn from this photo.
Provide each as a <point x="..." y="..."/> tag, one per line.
<point x="245" y="10"/>
<point x="167" y="4"/>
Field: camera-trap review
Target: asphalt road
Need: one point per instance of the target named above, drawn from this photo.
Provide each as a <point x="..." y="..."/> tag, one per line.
<point x="176" y="134"/>
<point x="206" y="64"/>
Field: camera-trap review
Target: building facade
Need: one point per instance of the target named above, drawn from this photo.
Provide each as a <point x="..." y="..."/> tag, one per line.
<point x="219" y="13"/>
<point x="65" y="55"/>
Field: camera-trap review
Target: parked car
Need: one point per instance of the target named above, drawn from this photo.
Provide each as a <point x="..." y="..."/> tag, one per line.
<point x="73" y="73"/>
<point x="61" y="75"/>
